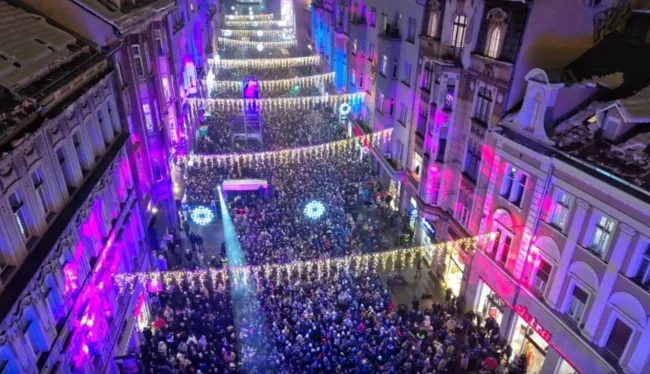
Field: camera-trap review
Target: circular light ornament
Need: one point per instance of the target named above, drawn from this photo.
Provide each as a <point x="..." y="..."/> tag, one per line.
<point x="231" y="17"/>
<point x="345" y="109"/>
<point x="202" y="215"/>
<point x="251" y="17"/>
<point x="260" y="47"/>
<point x="227" y="32"/>
<point x="254" y="24"/>
<point x="314" y="209"/>
<point x="260" y="33"/>
<point x="282" y="23"/>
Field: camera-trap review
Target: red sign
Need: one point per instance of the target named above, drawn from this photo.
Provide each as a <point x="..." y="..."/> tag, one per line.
<point x="532" y="321"/>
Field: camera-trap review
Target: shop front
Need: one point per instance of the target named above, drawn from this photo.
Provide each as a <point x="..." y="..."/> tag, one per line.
<point x="454" y="269"/>
<point x="489" y="304"/>
<point x="529" y="341"/>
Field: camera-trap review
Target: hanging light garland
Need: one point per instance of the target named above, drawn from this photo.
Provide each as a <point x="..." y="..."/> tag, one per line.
<point x="313" y="269"/>
<point x="250" y="17"/>
<point x="249" y="44"/>
<point x="280" y="84"/>
<point x="254" y="23"/>
<point x="252" y="160"/>
<point x="303" y="102"/>
<point x="250" y="32"/>
<point x="268" y="63"/>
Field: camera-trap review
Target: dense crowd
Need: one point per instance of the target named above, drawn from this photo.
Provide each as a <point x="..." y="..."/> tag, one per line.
<point x="281" y="128"/>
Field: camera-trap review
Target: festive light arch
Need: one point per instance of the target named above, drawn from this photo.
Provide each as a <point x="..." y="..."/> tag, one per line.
<point x="267" y="63"/>
<point x="318" y="268"/>
<point x="280" y="84"/>
<point x="250" y="44"/>
<point x="244" y="17"/>
<point x="292" y="154"/>
<point x="253" y="32"/>
<point x="255" y="23"/>
<point x="303" y="102"/>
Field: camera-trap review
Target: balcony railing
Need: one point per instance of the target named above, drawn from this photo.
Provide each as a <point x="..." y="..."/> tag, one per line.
<point x="391" y="32"/>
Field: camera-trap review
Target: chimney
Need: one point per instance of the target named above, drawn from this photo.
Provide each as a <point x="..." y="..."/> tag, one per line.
<point x="638" y="27"/>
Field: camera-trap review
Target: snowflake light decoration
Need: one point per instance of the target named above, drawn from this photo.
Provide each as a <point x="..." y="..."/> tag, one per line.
<point x="314" y="210"/>
<point x="202" y="215"/>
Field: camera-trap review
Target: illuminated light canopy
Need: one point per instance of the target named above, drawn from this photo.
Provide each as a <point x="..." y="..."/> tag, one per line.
<point x="276" y="84"/>
<point x="201" y="215"/>
<point x="292" y="154"/>
<point x="249" y="44"/>
<point x="314" y="269"/>
<point x="254" y="23"/>
<point x="305" y="102"/>
<point x="267" y="63"/>
<point x="227" y="32"/>
<point x="259" y="17"/>
<point x="281" y="33"/>
<point x="314" y="210"/>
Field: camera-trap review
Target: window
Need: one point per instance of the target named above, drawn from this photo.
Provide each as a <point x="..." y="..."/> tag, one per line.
<point x="402" y="113"/>
<point x="148" y="119"/>
<point x="449" y="94"/>
<point x="18" y="209"/>
<point x="391" y="107"/>
<point x="483" y="105"/>
<point x="560" y="209"/>
<point x="602" y="235"/>
<point x="416" y="166"/>
<point x="371" y="51"/>
<point x="165" y="87"/>
<point x="380" y="102"/>
<point x="159" y="43"/>
<point x="361" y="80"/>
<point x="426" y="76"/>
<point x="406" y="77"/>
<point x="373" y="16"/>
<point x="384" y="64"/>
<point x="643" y="272"/>
<point x="458" y="31"/>
<point x="146" y="55"/>
<point x="543" y="275"/>
<point x="577" y="304"/>
<point x="120" y="72"/>
<point x="505" y="249"/>
<point x="395" y="62"/>
<point x="137" y="60"/>
<point x="400" y="150"/>
<point x="508" y="181"/>
<point x="384" y="21"/>
<point x="353" y="77"/>
<point x="493" y="43"/>
<point x="442" y="146"/>
<point x="463" y="206"/>
<point x="472" y="158"/>
<point x="520" y="187"/>
<point x="410" y="37"/>
<point x="63" y="164"/>
<point x="618" y="339"/>
<point x="78" y="147"/>
<point x="40" y="188"/>
<point x="534" y="113"/>
<point x="105" y="127"/>
<point x="432" y="27"/>
<point x="354" y="46"/>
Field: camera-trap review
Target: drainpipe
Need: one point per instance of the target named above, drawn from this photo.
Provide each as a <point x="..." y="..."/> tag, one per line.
<point x="547" y="184"/>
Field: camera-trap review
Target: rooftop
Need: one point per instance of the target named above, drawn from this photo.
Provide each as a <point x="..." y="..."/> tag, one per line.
<point x="127" y="14"/>
<point x="37" y="58"/>
<point x="581" y="133"/>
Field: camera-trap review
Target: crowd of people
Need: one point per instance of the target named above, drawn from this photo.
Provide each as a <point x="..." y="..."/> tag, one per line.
<point x="344" y="322"/>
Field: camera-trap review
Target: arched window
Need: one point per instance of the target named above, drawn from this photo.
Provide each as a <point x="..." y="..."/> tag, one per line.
<point x="433" y="24"/>
<point x="493" y="44"/>
<point x="458" y="31"/>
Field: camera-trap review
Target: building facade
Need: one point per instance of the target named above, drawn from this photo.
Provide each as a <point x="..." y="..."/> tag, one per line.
<point x="567" y="192"/>
<point x="68" y="205"/>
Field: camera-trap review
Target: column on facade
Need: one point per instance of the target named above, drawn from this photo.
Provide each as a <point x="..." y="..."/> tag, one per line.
<point x="530" y="226"/>
<point x="487" y="206"/>
<point x="614" y="266"/>
<point x="46" y="320"/>
<point x="567" y="253"/>
<point x="36" y="218"/>
<point x="10" y="236"/>
<point x="24" y="358"/>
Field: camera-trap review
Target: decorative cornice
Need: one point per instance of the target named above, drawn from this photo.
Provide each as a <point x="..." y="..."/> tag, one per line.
<point x="629" y="230"/>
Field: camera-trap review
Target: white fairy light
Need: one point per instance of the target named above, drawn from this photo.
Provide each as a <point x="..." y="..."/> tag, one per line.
<point x="314" y="209"/>
<point x="202" y="215"/>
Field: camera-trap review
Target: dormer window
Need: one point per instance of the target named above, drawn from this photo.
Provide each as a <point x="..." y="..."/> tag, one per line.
<point x="534" y="112"/>
<point x="493" y="44"/>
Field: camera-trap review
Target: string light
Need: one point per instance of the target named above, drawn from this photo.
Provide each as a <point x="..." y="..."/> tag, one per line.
<point x="255" y="23"/>
<point x="267" y="63"/>
<point x="249" y="44"/>
<point x="291" y="154"/>
<point x="304" y="102"/>
<point x="314" y="209"/>
<point x="252" y="32"/>
<point x="283" y="272"/>
<point x="280" y="84"/>
<point x="258" y="17"/>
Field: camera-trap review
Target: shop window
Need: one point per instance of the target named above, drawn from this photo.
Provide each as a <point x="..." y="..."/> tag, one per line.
<point x="577" y="303"/>
<point x="560" y="209"/>
<point x="566" y="368"/>
<point x="490" y="304"/>
<point x="543" y="275"/>
<point x="619" y="337"/>
<point x="529" y="345"/>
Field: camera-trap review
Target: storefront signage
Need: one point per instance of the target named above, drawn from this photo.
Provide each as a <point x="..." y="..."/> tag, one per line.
<point x="532" y="321"/>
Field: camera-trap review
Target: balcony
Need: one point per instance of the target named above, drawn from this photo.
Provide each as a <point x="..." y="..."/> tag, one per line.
<point x="391" y="33"/>
<point x="433" y="48"/>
